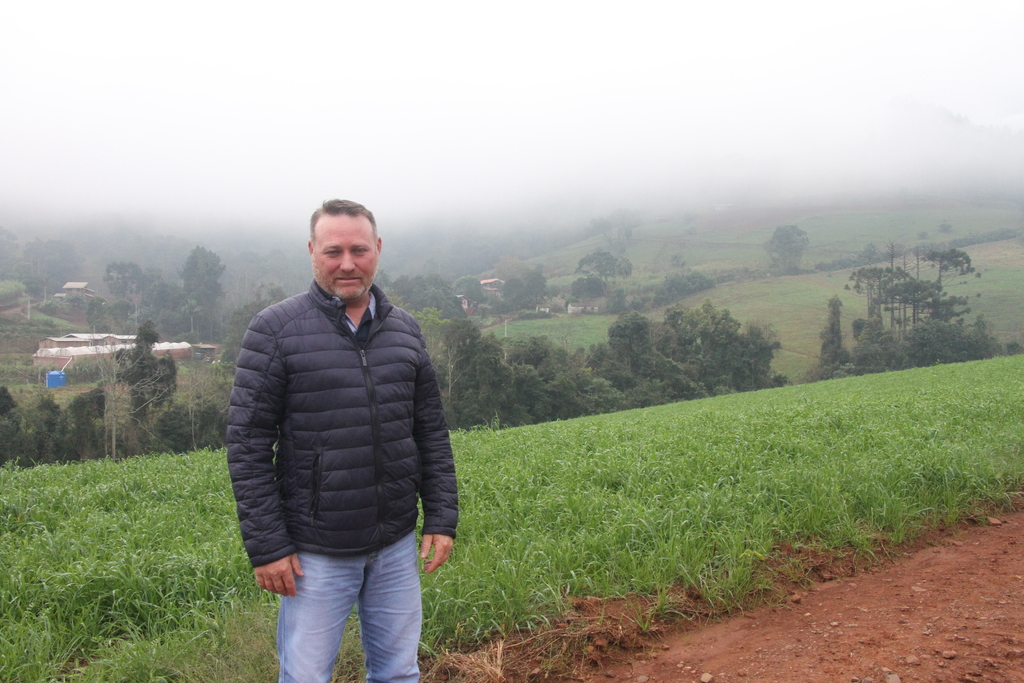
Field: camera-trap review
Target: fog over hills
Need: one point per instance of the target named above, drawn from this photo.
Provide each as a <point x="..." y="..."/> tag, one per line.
<point x="229" y="118"/>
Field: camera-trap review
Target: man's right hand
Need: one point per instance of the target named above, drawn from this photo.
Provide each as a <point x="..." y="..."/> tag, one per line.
<point x="279" y="577"/>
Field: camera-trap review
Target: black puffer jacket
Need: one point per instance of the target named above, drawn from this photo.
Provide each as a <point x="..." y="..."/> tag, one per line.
<point x="329" y="444"/>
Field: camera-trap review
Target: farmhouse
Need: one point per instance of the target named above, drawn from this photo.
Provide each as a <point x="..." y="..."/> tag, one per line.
<point x="468" y="305"/>
<point x="85" y="339"/>
<point x="61" y="351"/>
<point x="492" y="287"/>
<point x="75" y="288"/>
<point x="206" y="351"/>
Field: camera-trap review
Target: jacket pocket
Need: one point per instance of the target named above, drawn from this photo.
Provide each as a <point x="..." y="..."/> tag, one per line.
<point x="318" y="474"/>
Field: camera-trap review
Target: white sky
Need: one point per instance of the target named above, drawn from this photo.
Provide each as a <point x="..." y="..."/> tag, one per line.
<point x="255" y="112"/>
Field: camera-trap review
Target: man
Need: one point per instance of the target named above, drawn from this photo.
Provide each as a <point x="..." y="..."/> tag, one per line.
<point x="335" y="430"/>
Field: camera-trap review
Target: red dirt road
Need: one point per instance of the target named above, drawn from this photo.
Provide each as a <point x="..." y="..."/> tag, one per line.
<point x="952" y="611"/>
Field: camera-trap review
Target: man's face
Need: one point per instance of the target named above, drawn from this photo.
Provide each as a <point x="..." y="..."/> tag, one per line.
<point x="345" y="256"/>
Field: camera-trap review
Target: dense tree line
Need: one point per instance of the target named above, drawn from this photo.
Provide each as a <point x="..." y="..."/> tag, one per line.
<point x="878" y="349"/>
<point x="692" y="353"/>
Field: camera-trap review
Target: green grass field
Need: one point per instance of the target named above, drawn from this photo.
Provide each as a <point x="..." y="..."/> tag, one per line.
<point x="570" y="332"/>
<point x="134" y="571"/>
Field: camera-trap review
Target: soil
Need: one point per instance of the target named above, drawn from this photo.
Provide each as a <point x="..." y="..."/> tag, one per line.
<point x="949" y="609"/>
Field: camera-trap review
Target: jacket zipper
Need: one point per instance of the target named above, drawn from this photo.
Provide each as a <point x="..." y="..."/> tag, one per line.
<point x="317" y="478"/>
<point x="371" y="394"/>
<point x="378" y="455"/>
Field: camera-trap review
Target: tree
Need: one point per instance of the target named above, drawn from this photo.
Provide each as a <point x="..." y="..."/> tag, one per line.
<point x="869" y="254"/>
<point x="125" y="280"/>
<point x="10" y="427"/>
<point x="474" y="379"/>
<point x="428" y="291"/>
<point x="630" y="337"/>
<point x="634" y="365"/>
<point x="616" y="303"/>
<point x="527" y="291"/>
<point x="935" y="341"/>
<point x="54" y="262"/>
<point x="85" y="419"/>
<point x="878" y="349"/>
<point x="624" y="268"/>
<point x="622" y="221"/>
<point x="904" y="296"/>
<point x="833" y="354"/>
<point x="96" y="314"/>
<point x="200" y="279"/>
<point x="952" y="261"/>
<point x="716" y="352"/>
<point x="198" y="416"/>
<point x="135" y="382"/>
<point x="603" y="264"/>
<point x="7" y="403"/>
<point x="677" y="286"/>
<point x="43" y="434"/>
<point x="469" y="287"/>
<point x="240" y="318"/>
<point x="589" y="287"/>
<point x="786" y="248"/>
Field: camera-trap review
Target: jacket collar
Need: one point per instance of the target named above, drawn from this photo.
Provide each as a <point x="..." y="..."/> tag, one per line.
<point x="335" y="307"/>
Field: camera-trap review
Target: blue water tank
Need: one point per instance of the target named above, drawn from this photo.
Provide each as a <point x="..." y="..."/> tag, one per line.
<point x="56" y="378"/>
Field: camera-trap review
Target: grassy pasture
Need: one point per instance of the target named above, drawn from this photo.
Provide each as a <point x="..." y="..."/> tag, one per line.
<point x="571" y="332"/>
<point x="133" y="570"/>
<point x="797" y="306"/>
<point x="732" y="241"/>
<point x="1001" y="286"/>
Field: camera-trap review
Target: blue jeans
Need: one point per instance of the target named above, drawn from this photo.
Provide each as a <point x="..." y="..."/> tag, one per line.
<point x="386" y="587"/>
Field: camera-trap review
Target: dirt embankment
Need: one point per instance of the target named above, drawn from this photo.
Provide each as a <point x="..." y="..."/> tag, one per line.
<point x="953" y="610"/>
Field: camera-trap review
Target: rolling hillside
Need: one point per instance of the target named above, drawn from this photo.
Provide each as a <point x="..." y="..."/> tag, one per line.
<point x="728" y="246"/>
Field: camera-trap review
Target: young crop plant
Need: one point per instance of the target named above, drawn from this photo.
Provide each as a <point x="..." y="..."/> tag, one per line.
<point x="134" y="569"/>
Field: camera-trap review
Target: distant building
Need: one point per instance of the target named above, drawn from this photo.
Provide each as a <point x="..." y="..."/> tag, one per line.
<point x="492" y="287"/>
<point x="75" y="288"/>
<point x="61" y="351"/>
<point x="573" y="310"/>
<point x="469" y="307"/>
<point x="206" y="351"/>
<point x="85" y="339"/>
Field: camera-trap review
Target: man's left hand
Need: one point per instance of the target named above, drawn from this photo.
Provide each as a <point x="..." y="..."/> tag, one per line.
<point x="442" y="549"/>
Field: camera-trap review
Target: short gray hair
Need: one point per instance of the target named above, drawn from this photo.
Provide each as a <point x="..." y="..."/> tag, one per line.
<point x="340" y="207"/>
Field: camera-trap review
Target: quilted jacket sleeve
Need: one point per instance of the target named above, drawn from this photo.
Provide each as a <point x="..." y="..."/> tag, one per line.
<point x="257" y="407"/>
<point x="438" y="492"/>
